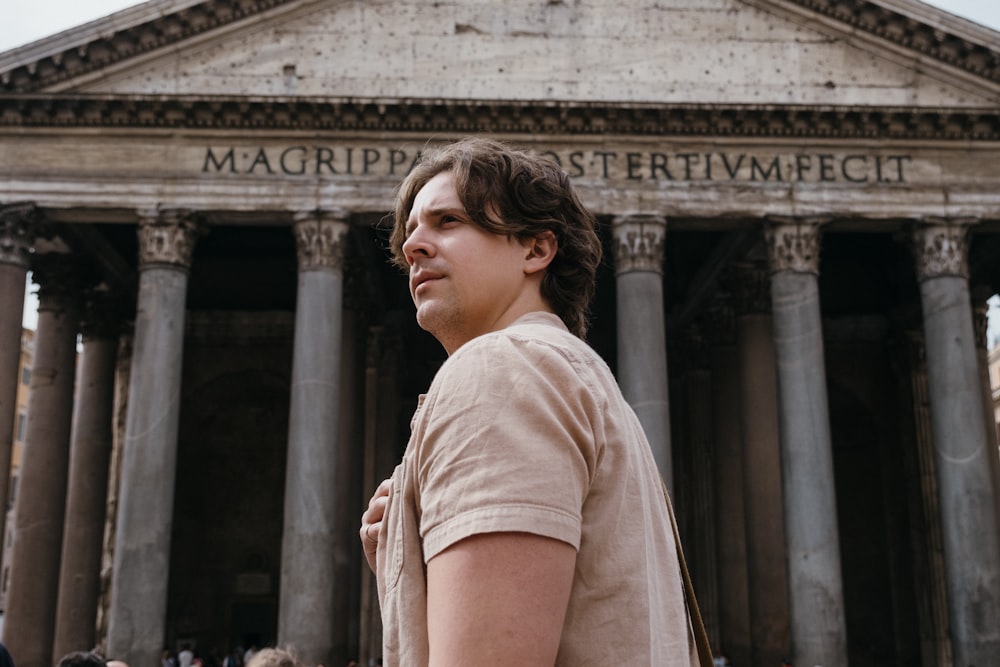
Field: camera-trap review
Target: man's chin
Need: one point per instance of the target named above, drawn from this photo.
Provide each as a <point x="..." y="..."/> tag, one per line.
<point x="434" y="320"/>
<point x="426" y="318"/>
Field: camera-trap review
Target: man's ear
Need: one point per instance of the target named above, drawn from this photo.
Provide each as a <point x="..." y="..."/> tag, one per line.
<point x="541" y="250"/>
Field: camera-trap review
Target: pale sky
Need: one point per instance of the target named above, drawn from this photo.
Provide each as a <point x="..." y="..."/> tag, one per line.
<point x="25" y="21"/>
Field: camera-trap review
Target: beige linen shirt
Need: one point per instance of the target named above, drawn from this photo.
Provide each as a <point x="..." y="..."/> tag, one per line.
<point x="526" y="430"/>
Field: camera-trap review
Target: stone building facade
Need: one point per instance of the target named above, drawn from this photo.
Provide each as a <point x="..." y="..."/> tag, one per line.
<point x="800" y="201"/>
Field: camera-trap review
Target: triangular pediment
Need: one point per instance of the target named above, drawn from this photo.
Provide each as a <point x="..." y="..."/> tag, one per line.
<point x="744" y="52"/>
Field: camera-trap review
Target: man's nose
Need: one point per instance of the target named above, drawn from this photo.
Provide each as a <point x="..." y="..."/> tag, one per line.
<point x="417" y="243"/>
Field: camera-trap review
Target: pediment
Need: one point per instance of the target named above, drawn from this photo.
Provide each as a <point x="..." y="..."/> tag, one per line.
<point x="728" y="52"/>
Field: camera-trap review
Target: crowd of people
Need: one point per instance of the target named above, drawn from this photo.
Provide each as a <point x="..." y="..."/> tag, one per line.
<point x="187" y="656"/>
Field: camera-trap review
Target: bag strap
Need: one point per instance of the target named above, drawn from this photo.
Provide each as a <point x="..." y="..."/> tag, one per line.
<point x="697" y="624"/>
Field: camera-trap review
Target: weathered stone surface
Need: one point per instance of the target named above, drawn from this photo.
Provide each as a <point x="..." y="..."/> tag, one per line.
<point x="527" y="50"/>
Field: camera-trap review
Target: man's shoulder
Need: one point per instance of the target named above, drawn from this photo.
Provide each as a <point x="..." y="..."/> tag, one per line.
<point x="538" y="342"/>
<point x="535" y="334"/>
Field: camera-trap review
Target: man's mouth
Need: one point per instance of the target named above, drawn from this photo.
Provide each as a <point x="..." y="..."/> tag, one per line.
<point x="424" y="278"/>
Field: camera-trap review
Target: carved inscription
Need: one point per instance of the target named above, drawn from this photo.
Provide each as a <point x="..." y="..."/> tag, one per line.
<point x="329" y="161"/>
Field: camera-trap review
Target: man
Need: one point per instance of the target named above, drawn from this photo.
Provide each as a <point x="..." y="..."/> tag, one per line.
<point x="526" y="524"/>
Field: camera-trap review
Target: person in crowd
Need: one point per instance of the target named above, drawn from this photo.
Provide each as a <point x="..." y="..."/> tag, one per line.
<point x="233" y="659"/>
<point x="527" y="522"/>
<point x="274" y="657"/>
<point x="82" y="659"/>
<point x="6" y="660"/>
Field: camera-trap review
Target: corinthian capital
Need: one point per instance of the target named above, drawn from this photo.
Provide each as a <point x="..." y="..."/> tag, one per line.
<point x="167" y="237"/>
<point x="320" y="239"/>
<point x="941" y="248"/>
<point x="17" y="233"/>
<point x="61" y="278"/>
<point x="639" y="243"/>
<point x="793" y="244"/>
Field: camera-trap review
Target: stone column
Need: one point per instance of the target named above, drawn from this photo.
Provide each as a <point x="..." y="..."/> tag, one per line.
<point x="382" y="413"/>
<point x="766" y="569"/>
<point x="730" y="519"/>
<point x="17" y="231"/>
<point x="925" y="526"/>
<point x="816" y="592"/>
<point x="965" y="487"/>
<point x="86" y="495"/>
<point x="642" y="339"/>
<point x="138" y="609"/>
<point x="119" y="410"/>
<point x="699" y="538"/>
<point x="980" y="314"/>
<point x="309" y="539"/>
<point x="29" y="618"/>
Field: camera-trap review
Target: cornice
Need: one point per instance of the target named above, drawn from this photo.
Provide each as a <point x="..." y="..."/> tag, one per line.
<point x="127" y="42"/>
<point x="496" y="116"/>
<point x="934" y="41"/>
<point x="940" y="42"/>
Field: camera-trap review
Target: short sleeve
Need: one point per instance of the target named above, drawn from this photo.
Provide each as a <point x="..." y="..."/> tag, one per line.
<point x="507" y="444"/>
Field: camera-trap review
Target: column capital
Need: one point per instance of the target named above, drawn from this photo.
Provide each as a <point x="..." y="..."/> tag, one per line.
<point x="793" y="243"/>
<point x="167" y="237"/>
<point x="103" y="314"/>
<point x="17" y="233"/>
<point x="320" y="239"/>
<point x="61" y="279"/>
<point x="941" y="247"/>
<point x="638" y="242"/>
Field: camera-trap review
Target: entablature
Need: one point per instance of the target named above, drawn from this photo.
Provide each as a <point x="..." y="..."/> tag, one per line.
<point x="498" y="116"/>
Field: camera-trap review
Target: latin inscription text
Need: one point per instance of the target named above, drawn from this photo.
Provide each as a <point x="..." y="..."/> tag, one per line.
<point x="322" y="161"/>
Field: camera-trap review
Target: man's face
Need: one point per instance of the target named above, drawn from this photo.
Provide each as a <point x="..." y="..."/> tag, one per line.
<point x="464" y="280"/>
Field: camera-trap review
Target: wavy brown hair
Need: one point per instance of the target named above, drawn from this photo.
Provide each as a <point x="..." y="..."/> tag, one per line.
<point x="515" y="194"/>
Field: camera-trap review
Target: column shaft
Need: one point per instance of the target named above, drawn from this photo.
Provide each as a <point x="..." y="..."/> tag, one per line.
<point x="38" y="517"/>
<point x="925" y="531"/>
<point x="765" y="530"/>
<point x="16" y="235"/>
<point x="642" y="340"/>
<point x="90" y="451"/>
<point x="138" y="609"/>
<point x="308" y="591"/>
<point x="13" y="280"/>
<point x="980" y="310"/>
<point x="730" y="519"/>
<point x="972" y="555"/>
<point x="965" y="486"/>
<point x="701" y="539"/>
<point x="816" y="592"/>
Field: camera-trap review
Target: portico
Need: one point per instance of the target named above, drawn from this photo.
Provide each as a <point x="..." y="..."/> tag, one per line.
<point x="782" y="300"/>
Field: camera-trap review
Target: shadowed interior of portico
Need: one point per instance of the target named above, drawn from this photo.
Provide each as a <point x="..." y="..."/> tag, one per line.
<point x="241" y="301"/>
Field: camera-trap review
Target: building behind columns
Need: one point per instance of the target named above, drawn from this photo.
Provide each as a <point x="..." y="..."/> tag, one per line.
<point x="801" y="208"/>
<point x="17" y="445"/>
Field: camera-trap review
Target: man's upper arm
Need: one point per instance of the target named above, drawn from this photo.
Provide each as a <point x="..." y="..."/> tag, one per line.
<point x="498" y="599"/>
